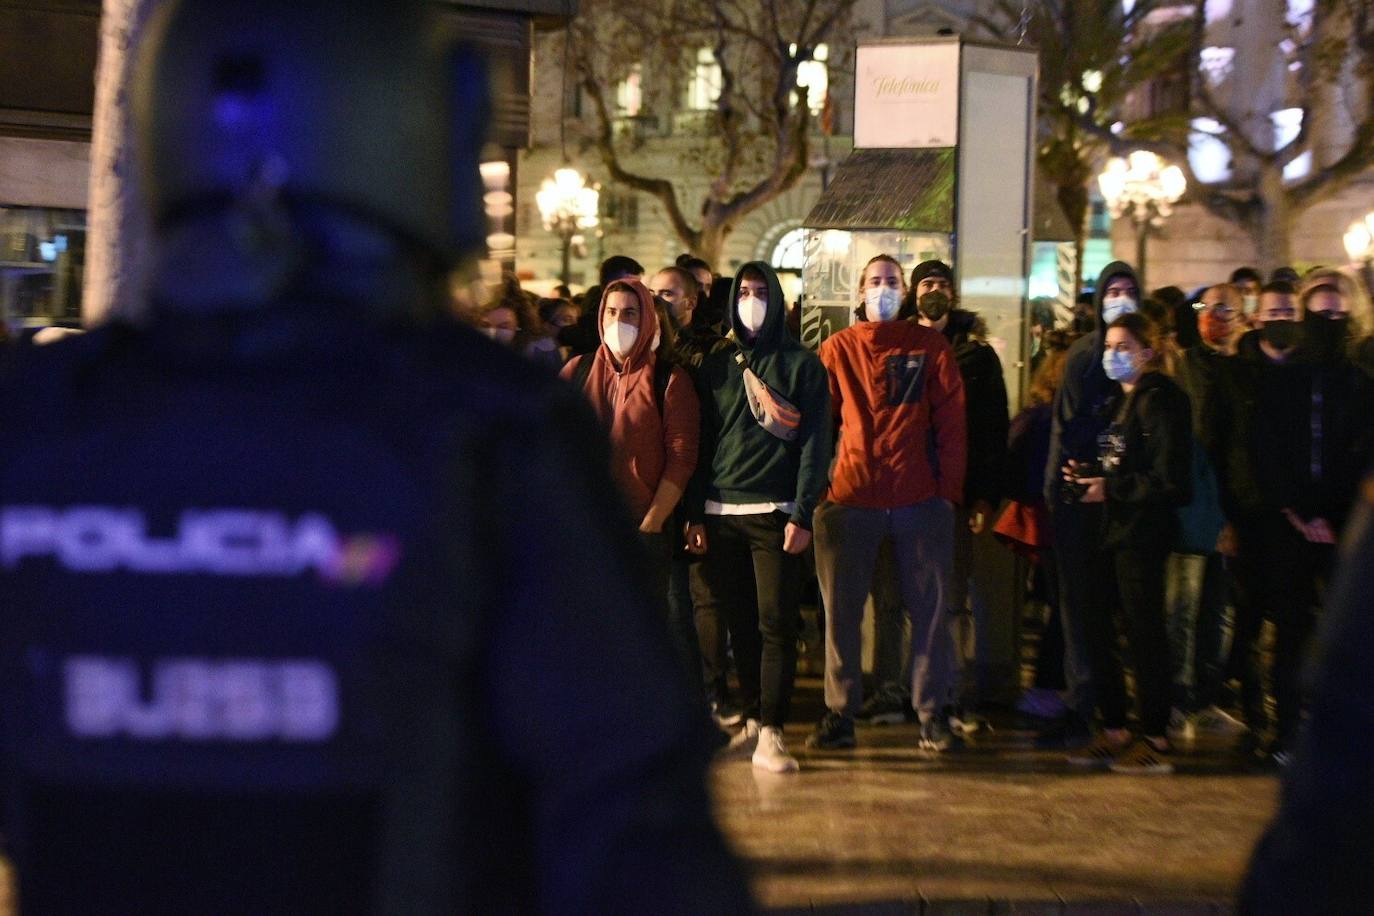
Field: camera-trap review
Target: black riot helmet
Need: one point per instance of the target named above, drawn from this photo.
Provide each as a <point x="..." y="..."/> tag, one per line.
<point x="262" y="117"/>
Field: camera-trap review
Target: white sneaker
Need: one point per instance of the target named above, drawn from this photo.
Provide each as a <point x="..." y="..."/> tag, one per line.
<point x="1216" y="721"/>
<point x="745" y="740"/>
<point x="771" y="754"/>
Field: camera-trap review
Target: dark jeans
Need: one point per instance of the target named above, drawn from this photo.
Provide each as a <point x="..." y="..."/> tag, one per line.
<point x="1197" y="591"/>
<point x="848" y="539"/>
<point x="1280" y="576"/>
<point x="750" y="582"/>
<point x="1084" y="573"/>
<point x="1140" y="595"/>
<point x="1049" y="659"/>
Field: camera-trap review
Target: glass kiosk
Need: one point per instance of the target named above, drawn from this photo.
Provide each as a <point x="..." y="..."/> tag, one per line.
<point x="943" y="166"/>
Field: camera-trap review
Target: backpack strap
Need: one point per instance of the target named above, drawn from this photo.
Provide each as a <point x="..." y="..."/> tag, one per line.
<point x="663" y="374"/>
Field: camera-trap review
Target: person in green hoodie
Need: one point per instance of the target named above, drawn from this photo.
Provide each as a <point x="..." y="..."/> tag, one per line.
<point x="764" y="461"/>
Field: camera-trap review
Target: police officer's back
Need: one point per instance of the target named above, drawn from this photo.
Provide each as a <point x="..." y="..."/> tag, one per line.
<point x="311" y="600"/>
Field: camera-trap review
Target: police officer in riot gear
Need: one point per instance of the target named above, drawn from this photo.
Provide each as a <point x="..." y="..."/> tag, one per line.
<point x="271" y="637"/>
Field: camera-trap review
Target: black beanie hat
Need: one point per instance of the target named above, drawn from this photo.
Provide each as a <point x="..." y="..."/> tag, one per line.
<point x="930" y="268"/>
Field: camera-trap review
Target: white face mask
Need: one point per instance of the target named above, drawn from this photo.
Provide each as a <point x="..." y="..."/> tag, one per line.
<point x="881" y="303"/>
<point x="620" y="338"/>
<point x="1113" y="307"/>
<point x="500" y="335"/>
<point x="752" y="313"/>
<point x="1251" y="304"/>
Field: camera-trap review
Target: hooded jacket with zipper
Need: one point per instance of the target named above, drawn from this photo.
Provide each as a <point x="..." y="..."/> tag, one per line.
<point x="1148" y="465"/>
<point x="740" y="461"/>
<point x="646" y="448"/>
<point x="1291" y="435"/>
<point x="1082" y="403"/>
<point x="896" y="392"/>
<point x="985" y="400"/>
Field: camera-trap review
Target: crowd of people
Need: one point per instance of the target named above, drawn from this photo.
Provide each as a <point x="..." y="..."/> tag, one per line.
<point x="1183" y="467"/>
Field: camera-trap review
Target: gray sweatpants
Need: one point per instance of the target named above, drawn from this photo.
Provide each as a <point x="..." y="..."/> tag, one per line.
<point x="847" y="542"/>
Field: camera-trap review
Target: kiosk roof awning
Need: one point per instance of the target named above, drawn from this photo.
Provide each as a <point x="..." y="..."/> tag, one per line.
<point x="913" y="190"/>
<point x="904" y="189"/>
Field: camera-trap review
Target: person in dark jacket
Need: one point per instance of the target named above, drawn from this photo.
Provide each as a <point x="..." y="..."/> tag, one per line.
<point x="1197" y="570"/>
<point x="696" y="340"/>
<point x="1315" y="856"/>
<point x="765" y="453"/>
<point x="679" y="287"/>
<point x="1141" y="478"/>
<point x="1025" y="523"/>
<point x="270" y="638"/>
<point x="988" y="420"/>
<point x="1080" y="416"/>
<point x="1289" y="435"/>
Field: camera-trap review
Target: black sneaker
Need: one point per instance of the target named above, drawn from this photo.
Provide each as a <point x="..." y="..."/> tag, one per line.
<point x="887" y="706"/>
<point x="726" y="714"/>
<point x="834" y="732"/>
<point x="1274" y="757"/>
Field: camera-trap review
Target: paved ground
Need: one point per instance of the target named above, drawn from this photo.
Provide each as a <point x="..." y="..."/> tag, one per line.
<point x="995" y="827"/>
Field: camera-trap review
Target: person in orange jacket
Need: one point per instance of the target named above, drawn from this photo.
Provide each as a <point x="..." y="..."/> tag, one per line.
<point x="898" y="398"/>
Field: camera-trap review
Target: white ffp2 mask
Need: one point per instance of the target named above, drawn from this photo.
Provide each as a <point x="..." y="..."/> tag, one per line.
<point x="752" y="313"/>
<point x="881" y="303"/>
<point x="620" y="338"/>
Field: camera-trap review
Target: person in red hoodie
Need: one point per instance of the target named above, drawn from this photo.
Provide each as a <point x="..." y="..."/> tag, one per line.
<point x="651" y="412"/>
<point x="897" y="395"/>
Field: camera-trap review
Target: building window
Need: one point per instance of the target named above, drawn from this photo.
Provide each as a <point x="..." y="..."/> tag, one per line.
<point x="814" y="75"/>
<point x="620" y="211"/>
<point x="704" y="87"/>
<point x="629" y="95"/>
<point x="42" y="264"/>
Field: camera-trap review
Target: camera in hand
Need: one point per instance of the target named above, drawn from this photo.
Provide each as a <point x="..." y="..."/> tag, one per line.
<point x="1072" y="492"/>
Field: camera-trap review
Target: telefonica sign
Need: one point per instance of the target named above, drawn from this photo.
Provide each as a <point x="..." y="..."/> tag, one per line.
<point x="906" y="96"/>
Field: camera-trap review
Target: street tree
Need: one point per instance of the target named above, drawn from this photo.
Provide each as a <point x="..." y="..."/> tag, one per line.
<point x="1325" y="63"/>
<point x="753" y="140"/>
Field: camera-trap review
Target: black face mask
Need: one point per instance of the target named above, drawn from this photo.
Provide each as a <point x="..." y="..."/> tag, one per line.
<point x="1331" y="335"/>
<point x="1281" y="335"/>
<point x="934" y="305"/>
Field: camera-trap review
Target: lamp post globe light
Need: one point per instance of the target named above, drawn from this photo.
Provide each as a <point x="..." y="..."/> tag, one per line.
<point x="1144" y="187"/>
<point x="568" y="205"/>
<point x="1359" y="239"/>
<point x="1359" y="244"/>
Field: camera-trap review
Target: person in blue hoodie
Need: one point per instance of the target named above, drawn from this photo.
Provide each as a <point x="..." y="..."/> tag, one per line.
<point x="1081" y="414"/>
<point x="766" y="441"/>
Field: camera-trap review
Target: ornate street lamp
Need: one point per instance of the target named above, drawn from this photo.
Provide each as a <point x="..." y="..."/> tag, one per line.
<point x="1144" y="187"/>
<point x="568" y="206"/>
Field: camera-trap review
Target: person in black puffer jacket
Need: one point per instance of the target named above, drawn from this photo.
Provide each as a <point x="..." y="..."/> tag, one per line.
<point x="932" y="302"/>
